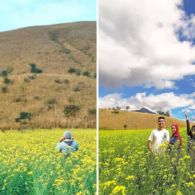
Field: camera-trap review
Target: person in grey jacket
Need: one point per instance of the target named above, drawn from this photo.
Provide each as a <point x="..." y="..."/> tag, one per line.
<point x="67" y="144"/>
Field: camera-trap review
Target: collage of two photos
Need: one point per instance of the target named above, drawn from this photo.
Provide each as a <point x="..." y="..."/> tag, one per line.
<point x="97" y="97"/>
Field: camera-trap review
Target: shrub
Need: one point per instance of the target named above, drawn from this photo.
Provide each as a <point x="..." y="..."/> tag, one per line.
<point x="77" y="88"/>
<point x="72" y="70"/>
<point x="66" y="50"/>
<point x="34" y="69"/>
<point x="92" y="111"/>
<point x="58" y="81"/>
<point x="24" y="116"/>
<point x="6" y="72"/>
<point x="78" y="72"/>
<point x="32" y="77"/>
<point x="71" y="110"/>
<point x="86" y="73"/>
<point x="51" y="102"/>
<point x="4" y="89"/>
<point x="7" y="80"/>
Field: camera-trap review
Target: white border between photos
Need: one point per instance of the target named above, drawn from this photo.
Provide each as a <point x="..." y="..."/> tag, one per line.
<point x="97" y="98"/>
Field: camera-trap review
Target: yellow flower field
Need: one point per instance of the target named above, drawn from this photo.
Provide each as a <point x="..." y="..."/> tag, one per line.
<point x="126" y="166"/>
<point x="30" y="163"/>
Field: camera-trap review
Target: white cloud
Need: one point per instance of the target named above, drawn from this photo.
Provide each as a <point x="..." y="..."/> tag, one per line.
<point x="138" y="43"/>
<point x="164" y="101"/>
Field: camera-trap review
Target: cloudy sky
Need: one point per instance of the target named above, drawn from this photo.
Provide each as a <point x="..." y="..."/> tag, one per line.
<point x="147" y="55"/>
<point x="21" y="13"/>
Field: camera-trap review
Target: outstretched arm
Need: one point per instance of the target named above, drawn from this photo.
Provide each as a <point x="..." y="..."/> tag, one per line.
<point x="62" y="139"/>
<point x="150" y="139"/>
<point x="187" y="124"/>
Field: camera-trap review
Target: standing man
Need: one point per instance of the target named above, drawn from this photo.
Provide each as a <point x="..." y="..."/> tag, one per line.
<point x="159" y="137"/>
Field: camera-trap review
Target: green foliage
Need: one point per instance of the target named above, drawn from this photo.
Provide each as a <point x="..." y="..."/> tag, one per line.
<point x="34" y="69"/>
<point x="74" y="70"/>
<point x="71" y="110"/>
<point x="86" y="73"/>
<point x="24" y="116"/>
<point x="66" y="50"/>
<point x="71" y="70"/>
<point x="7" y="80"/>
<point x="92" y="111"/>
<point x="6" y="72"/>
<point x="51" y="102"/>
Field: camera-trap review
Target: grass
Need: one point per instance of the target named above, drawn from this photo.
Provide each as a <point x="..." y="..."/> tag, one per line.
<point x="110" y="119"/>
<point x="126" y="166"/>
<point x="43" y="46"/>
<point x="47" y="89"/>
<point x="29" y="163"/>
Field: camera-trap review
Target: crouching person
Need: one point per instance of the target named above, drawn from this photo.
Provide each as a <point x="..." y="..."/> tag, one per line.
<point x="67" y="144"/>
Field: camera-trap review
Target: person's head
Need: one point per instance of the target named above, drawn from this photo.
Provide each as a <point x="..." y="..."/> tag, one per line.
<point x="175" y="129"/>
<point x="161" y="122"/>
<point x="68" y="135"/>
<point x="193" y="130"/>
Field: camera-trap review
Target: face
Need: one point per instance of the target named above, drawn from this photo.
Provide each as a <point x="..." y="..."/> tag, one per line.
<point x="193" y="131"/>
<point x="161" y="123"/>
<point x="173" y="129"/>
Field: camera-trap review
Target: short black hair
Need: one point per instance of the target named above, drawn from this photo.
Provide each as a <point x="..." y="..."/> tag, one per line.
<point x="192" y="127"/>
<point x="161" y="117"/>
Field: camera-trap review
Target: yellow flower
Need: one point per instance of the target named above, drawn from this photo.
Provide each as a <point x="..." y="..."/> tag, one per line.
<point x="130" y="177"/>
<point x="109" y="183"/>
<point x="190" y="184"/>
<point x="30" y="173"/>
<point x="118" y="189"/>
<point x="179" y="193"/>
<point x="186" y="157"/>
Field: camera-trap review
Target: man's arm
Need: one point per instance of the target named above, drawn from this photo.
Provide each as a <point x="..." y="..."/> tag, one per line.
<point x="188" y="125"/>
<point x="150" y="139"/>
<point x="62" y="139"/>
<point x="168" y="137"/>
<point x="150" y="146"/>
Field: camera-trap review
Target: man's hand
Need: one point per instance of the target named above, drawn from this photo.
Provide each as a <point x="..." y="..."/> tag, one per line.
<point x="186" y="115"/>
<point x="150" y="146"/>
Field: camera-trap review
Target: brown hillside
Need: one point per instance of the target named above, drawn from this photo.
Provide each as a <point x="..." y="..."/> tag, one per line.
<point x="66" y="56"/>
<point x="133" y="120"/>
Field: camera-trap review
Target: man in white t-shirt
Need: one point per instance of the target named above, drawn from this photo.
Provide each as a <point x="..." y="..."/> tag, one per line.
<point x="158" y="137"/>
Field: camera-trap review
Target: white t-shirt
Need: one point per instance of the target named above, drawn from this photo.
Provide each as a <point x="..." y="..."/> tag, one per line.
<point x="158" y="137"/>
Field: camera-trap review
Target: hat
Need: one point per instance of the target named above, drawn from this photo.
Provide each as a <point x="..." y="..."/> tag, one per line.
<point x="67" y="135"/>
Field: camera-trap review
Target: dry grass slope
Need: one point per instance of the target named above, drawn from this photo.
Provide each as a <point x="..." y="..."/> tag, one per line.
<point x="54" y="50"/>
<point x="132" y="120"/>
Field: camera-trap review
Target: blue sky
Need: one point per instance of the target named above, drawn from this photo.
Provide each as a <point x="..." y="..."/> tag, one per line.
<point x="22" y="13"/>
<point x="166" y="48"/>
